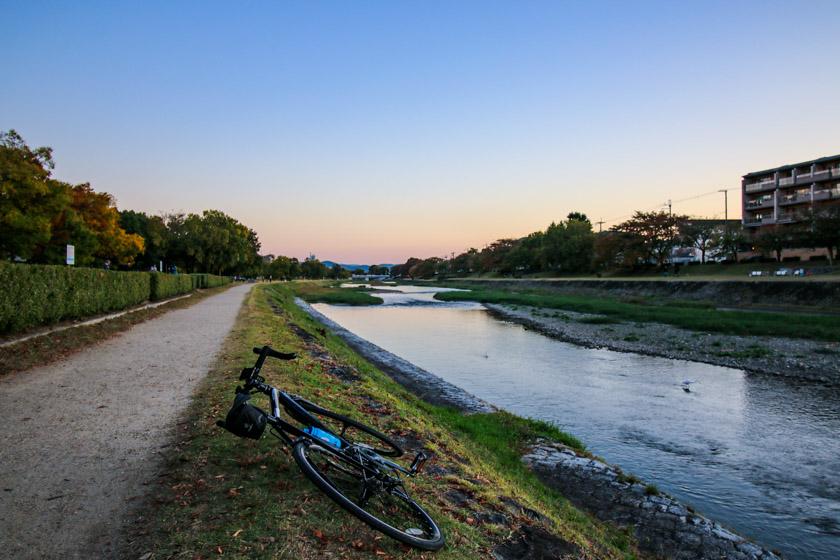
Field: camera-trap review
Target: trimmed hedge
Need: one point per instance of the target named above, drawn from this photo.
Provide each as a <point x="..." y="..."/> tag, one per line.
<point x="202" y="281"/>
<point x="36" y="295"/>
<point x="168" y="285"/>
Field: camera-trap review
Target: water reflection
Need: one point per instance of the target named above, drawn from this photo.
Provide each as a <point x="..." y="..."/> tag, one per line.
<point x="757" y="453"/>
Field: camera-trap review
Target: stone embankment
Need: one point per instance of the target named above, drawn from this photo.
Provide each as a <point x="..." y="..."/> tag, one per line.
<point x="662" y="525"/>
<point x="796" y="358"/>
<point x="819" y="294"/>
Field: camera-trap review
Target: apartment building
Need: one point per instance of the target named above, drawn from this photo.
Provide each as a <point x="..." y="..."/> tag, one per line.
<point x="788" y="194"/>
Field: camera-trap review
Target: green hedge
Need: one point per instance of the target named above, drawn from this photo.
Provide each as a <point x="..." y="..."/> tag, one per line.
<point x="168" y="285"/>
<point x="36" y="295"/>
<point x="202" y="281"/>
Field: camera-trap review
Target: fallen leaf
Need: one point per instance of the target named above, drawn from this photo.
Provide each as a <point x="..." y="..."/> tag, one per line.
<point x="237" y="533"/>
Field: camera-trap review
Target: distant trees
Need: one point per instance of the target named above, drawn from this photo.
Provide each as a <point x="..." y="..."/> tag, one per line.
<point x="699" y="234"/>
<point x="39" y="215"/>
<point x="565" y="247"/>
<point x="652" y="235"/>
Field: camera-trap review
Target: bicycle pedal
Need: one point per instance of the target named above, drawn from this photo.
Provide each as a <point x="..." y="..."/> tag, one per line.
<point x="418" y="462"/>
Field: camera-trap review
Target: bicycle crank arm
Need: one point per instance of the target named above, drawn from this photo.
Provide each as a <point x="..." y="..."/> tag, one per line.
<point x="418" y="463"/>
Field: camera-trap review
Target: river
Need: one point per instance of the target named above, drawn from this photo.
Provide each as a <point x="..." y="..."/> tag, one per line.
<point x="760" y="454"/>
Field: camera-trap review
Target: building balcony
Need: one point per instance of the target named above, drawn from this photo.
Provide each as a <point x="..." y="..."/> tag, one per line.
<point x="788" y="218"/>
<point x="835" y="171"/>
<point x="822" y="174"/>
<point x="761" y="203"/>
<point x="827" y="194"/>
<point x="767" y="184"/>
<point x="804" y="178"/>
<point x="797" y="198"/>
<point x="754" y="221"/>
<point x="785" y="181"/>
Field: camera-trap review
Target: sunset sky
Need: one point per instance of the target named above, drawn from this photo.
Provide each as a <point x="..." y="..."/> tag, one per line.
<point x="375" y="131"/>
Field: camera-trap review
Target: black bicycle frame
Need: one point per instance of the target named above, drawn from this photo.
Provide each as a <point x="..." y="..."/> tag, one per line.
<point x="282" y="429"/>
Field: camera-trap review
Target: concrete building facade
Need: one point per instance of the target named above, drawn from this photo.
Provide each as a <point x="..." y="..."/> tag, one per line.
<point x="790" y="193"/>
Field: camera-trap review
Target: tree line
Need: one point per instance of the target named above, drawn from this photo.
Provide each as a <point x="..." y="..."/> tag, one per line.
<point x="647" y="240"/>
<point x="40" y="216"/>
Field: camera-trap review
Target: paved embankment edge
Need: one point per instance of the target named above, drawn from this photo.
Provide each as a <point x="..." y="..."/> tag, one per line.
<point x="662" y="525"/>
<point x="422" y="383"/>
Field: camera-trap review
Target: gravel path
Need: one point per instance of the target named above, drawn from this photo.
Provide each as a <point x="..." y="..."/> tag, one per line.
<point x="82" y="437"/>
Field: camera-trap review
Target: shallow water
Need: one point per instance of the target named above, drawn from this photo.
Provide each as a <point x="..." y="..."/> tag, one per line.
<point x="757" y="453"/>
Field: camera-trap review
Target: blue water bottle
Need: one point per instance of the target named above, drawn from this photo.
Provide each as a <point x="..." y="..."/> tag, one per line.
<point x="326" y="437"/>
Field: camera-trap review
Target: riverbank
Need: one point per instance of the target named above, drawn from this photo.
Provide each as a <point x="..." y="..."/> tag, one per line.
<point x="789" y="357"/>
<point x="662" y="525"/>
<point x="817" y="293"/>
<point x="223" y="495"/>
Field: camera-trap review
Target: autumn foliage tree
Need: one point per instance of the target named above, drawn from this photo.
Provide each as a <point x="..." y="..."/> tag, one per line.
<point x="39" y="215"/>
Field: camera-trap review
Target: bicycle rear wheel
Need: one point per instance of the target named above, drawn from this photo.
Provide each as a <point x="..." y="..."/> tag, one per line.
<point x="387" y="508"/>
<point x="351" y="430"/>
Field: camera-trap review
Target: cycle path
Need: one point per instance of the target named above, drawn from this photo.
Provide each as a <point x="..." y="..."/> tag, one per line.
<point x="81" y="438"/>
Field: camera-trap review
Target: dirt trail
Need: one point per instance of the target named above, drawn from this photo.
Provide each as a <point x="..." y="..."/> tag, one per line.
<point x="81" y="438"/>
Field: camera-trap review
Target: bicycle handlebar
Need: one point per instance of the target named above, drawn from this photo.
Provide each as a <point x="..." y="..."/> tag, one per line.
<point x="269" y="351"/>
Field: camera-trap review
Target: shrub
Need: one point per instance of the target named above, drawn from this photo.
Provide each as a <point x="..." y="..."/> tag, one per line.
<point x="202" y="281"/>
<point x="167" y="285"/>
<point x="36" y="295"/>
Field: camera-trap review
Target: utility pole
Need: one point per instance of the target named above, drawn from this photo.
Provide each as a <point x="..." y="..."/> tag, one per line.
<point x="725" y="205"/>
<point x="602" y="222"/>
<point x="669" y="208"/>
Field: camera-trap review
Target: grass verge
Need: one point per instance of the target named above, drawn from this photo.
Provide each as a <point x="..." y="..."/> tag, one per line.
<point x="325" y="292"/>
<point x="247" y="499"/>
<point x="50" y="347"/>
<point x="702" y="319"/>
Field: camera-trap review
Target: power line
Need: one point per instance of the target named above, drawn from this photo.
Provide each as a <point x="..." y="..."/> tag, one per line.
<point x="668" y="204"/>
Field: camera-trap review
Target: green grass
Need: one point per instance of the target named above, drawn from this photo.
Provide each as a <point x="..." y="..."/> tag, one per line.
<point x="247" y="499"/>
<point x="790" y="325"/>
<point x="324" y="292"/>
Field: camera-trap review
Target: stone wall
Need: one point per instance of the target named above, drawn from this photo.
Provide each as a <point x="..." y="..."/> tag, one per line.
<point x="663" y="526"/>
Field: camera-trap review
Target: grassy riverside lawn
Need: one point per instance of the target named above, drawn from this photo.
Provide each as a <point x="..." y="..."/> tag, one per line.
<point x="695" y="316"/>
<point x="52" y="346"/>
<point x="319" y="291"/>
<point x="248" y="499"/>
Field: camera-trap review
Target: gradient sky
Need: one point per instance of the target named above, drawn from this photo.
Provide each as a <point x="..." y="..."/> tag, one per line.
<point x="374" y="131"/>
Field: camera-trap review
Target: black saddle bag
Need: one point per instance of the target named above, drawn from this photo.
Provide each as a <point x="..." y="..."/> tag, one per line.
<point x="244" y="419"/>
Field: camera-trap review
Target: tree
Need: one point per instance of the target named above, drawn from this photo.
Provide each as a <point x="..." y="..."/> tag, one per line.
<point x="654" y="233"/>
<point x="727" y="242"/>
<point x="773" y="240"/>
<point x="699" y="234"/>
<point x="155" y="234"/>
<point x="825" y="231"/>
<point x="29" y="198"/>
<point x="215" y="242"/>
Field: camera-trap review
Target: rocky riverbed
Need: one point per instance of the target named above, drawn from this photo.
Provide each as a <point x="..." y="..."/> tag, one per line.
<point x="796" y="358"/>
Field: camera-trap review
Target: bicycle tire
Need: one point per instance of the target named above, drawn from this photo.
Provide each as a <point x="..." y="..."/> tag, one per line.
<point x="435" y="541"/>
<point x="390" y="448"/>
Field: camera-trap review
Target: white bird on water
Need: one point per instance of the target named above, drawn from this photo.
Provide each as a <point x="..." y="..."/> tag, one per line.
<point x="686" y="385"/>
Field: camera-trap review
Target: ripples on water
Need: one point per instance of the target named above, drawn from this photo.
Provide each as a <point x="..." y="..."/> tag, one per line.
<point x="758" y="453"/>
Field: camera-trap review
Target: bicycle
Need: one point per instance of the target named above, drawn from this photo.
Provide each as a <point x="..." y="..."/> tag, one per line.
<point x="344" y="458"/>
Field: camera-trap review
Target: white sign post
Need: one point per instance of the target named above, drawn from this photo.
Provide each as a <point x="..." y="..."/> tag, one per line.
<point x="71" y="255"/>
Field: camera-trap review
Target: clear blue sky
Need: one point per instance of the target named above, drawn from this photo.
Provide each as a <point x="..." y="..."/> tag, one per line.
<point x="372" y="131"/>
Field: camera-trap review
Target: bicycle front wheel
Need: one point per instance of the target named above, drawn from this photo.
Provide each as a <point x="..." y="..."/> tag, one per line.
<point x="389" y="510"/>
